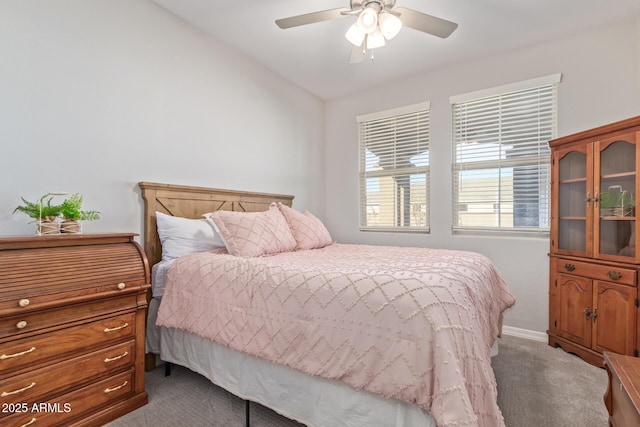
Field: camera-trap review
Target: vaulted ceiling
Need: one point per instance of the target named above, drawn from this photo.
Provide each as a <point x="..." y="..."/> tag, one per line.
<point x="316" y="56"/>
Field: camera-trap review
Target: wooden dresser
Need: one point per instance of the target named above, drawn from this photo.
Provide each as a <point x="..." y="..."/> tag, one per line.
<point x="72" y="316"/>
<point x="623" y="393"/>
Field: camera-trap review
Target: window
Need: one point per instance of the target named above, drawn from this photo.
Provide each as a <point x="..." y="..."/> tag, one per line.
<point x="394" y="169"/>
<point x="501" y="169"/>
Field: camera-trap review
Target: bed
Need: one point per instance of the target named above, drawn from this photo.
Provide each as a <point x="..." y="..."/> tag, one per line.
<point x="333" y="335"/>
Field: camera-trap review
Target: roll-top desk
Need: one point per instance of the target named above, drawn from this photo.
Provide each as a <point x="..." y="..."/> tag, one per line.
<point x="72" y="315"/>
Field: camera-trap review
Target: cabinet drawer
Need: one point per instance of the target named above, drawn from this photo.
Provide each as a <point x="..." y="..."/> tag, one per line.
<point x="595" y="271"/>
<point x="27" y="352"/>
<point x="62" y="410"/>
<point x="31" y="387"/>
<point x="32" y="321"/>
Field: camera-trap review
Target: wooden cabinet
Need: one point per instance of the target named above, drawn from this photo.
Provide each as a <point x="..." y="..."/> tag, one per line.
<point x="72" y="314"/>
<point x="591" y="316"/>
<point x="593" y="293"/>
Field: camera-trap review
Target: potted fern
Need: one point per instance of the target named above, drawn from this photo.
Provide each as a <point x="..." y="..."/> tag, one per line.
<point x="43" y="212"/>
<point x="72" y="214"/>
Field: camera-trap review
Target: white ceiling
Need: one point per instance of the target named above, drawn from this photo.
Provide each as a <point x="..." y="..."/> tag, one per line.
<point x="316" y="56"/>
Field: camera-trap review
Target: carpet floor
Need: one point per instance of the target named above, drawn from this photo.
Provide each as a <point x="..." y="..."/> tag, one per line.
<point x="538" y="386"/>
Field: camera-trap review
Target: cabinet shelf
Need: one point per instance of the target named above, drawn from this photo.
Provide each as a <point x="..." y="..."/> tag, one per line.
<point x="573" y="180"/>
<point x="572" y="218"/>
<point x="618" y="218"/>
<point x="617" y="175"/>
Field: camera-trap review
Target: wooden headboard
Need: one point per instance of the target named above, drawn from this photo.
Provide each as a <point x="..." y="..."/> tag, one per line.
<point x="192" y="202"/>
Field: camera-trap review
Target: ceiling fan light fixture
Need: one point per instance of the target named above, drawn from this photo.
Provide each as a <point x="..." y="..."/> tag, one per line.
<point x="375" y="39"/>
<point x="355" y="35"/>
<point x="389" y="24"/>
<point x="368" y="20"/>
<point x="376" y="22"/>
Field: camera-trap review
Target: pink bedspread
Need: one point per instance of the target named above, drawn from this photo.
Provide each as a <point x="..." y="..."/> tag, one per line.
<point x="413" y="324"/>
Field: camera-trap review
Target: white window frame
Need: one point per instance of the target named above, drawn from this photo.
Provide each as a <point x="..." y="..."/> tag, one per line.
<point x="472" y="104"/>
<point x="396" y="119"/>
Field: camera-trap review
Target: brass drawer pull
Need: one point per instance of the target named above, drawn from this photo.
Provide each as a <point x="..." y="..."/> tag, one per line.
<point x="21" y="324"/>
<point x="33" y="420"/>
<point x="9" y="393"/>
<point x="121" y="286"/>
<point x="111" y="359"/>
<point x="569" y="267"/>
<point x="24" y="302"/>
<point x="614" y="275"/>
<point x="109" y="390"/>
<point x="117" y="328"/>
<point x="9" y="356"/>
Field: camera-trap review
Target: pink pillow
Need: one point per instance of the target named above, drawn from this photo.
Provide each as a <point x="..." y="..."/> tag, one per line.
<point x="250" y="234"/>
<point x="309" y="231"/>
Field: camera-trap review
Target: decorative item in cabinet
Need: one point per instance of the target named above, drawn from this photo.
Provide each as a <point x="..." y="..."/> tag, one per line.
<point x="72" y="316"/>
<point x="617" y="202"/>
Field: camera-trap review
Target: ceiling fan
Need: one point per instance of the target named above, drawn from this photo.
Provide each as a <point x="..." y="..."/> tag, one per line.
<point x="377" y="21"/>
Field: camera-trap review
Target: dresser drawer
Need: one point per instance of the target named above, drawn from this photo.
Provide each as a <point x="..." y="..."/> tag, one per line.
<point x="31" y="387"/>
<point x="28" y="352"/>
<point x="64" y="409"/>
<point x="607" y="273"/>
<point x="32" y="321"/>
<point x="30" y="299"/>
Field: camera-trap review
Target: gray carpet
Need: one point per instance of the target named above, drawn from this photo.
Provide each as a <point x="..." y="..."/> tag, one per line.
<point x="540" y="385"/>
<point x="537" y="386"/>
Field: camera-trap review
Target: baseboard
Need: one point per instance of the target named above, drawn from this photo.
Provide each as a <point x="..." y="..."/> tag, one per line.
<point x="525" y="333"/>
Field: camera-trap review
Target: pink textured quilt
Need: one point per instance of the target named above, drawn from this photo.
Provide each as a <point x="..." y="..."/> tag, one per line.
<point x="413" y="324"/>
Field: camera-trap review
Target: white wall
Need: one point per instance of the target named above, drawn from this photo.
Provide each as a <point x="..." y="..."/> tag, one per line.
<point x="97" y="95"/>
<point x="601" y="84"/>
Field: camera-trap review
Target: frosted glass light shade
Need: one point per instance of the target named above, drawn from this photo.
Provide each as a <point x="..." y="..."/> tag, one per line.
<point x="390" y="25"/>
<point x="355" y="35"/>
<point x="368" y="20"/>
<point x="375" y="39"/>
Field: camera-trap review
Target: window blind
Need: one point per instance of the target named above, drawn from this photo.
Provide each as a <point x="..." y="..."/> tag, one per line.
<point x="501" y="169"/>
<point x="394" y="169"/>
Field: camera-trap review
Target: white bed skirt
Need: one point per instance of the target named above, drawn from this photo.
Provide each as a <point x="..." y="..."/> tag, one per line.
<point x="313" y="401"/>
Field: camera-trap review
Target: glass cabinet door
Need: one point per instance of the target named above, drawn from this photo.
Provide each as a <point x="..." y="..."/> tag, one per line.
<point x="615" y="226"/>
<point x="573" y="202"/>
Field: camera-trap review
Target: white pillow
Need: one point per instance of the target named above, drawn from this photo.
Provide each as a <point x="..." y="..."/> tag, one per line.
<point x="181" y="236"/>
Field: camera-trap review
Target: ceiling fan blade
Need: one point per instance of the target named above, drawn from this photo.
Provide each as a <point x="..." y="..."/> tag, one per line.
<point x="426" y="23"/>
<point x="357" y="54"/>
<point x="310" y="18"/>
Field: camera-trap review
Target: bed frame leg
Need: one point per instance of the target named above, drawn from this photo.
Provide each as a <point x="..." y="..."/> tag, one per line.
<point x="246" y="413"/>
<point x="167" y="369"/>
